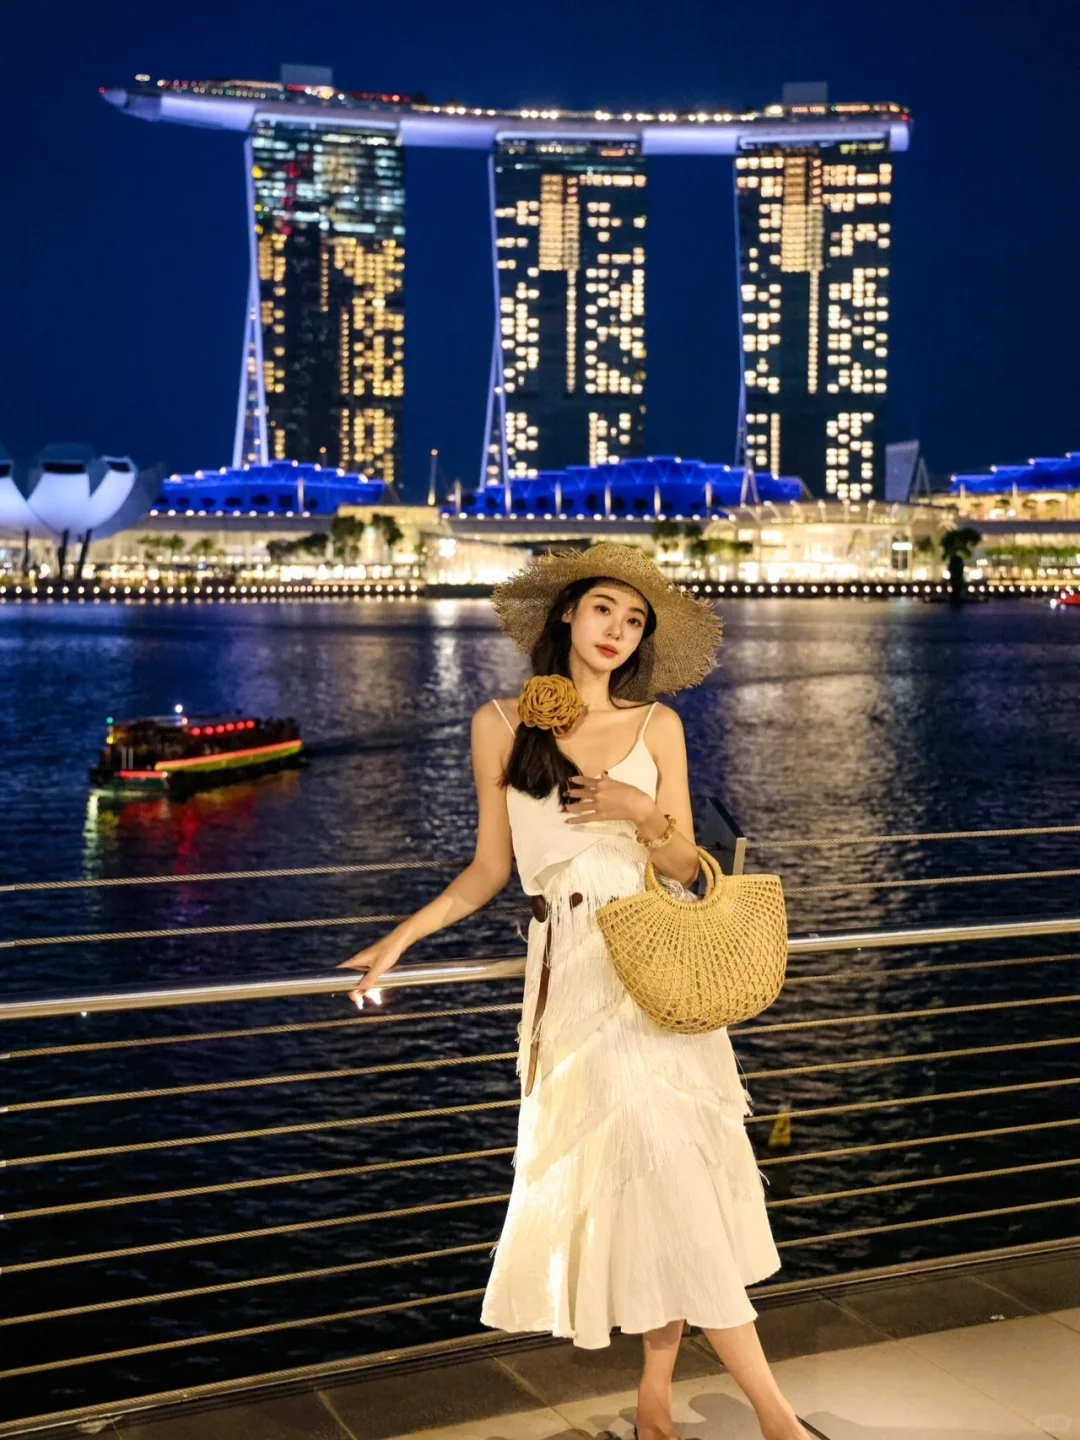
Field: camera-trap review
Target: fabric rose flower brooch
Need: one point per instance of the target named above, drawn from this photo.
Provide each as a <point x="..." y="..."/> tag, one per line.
<point x="550" y="702"/>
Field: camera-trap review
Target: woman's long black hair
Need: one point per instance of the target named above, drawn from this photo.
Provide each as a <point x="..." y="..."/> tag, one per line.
<point x="536" y="764"/>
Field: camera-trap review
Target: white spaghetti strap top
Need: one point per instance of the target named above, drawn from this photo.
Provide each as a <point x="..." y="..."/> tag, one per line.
<point x="502" y="712"/>
<point x="543" y="843"/>
<point x="640" y="734"/>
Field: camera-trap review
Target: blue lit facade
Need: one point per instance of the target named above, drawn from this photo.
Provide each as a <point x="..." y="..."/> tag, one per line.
<point x="283" y="488"/>
<point x="661" y="486"/>
<point x="1039" y="474"/>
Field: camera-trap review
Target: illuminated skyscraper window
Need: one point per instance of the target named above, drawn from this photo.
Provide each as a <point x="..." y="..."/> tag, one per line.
<point x="815" y="238"/>
<point x="324" y="362"/>
<point x="568" y="371"/>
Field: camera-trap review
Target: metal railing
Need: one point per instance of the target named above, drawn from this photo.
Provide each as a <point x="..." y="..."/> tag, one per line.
<point x="83" y="1167"/>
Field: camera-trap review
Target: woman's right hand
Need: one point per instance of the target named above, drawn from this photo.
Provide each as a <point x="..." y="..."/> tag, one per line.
<point x="376" y="959"/>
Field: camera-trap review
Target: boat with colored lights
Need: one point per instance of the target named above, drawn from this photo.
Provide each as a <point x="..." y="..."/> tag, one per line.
<point x="175" y="754"/>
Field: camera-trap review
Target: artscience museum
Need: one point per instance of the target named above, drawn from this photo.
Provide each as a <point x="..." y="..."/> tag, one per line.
<point x="68" y="495"/>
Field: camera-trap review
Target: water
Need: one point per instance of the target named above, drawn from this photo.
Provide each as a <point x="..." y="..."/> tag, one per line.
<point x="824" y="719"/>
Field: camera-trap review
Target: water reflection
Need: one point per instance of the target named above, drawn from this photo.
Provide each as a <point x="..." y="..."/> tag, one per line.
<point x="823" y="720"/>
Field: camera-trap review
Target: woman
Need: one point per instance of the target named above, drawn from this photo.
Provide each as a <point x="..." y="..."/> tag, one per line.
<point x="636" y="1199"/>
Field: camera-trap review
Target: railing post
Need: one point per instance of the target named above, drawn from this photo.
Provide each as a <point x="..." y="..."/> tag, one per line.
<point x="721" y="835"/>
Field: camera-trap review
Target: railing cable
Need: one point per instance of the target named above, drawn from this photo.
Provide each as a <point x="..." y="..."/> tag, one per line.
<point x="130" y="881"/>
<point x="218" y="1087"/>
<point x="892" y="1103"/>
<point x="296" y="1227"/>
<point x="865" y="1230"/>
<point x="252" y="1283"/>
<point x="246" y="1033"/>
<point x="879" y="1147"/>
<point x="254" y="927"/>
<point x="309" y="1127"/>
<point x="824" y="842"/>
<point x="260" y="1182"/>
<point x="187" y="1341"/>
<point x="927" y="882"/>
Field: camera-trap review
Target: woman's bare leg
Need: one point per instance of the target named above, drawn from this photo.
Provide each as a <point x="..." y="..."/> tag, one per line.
<point x="661" y="1350"/>
<point x="740" y="1350"/>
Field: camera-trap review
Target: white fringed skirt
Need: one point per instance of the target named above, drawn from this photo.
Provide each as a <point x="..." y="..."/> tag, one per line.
<point x="636" y="1197"/>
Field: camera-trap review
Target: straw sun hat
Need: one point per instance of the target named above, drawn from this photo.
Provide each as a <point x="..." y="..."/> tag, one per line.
<point x="682" y="648"/>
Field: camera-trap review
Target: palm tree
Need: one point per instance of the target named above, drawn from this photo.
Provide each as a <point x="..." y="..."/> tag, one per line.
<point x="957" y="547"/>
<point x="720" y="547"/>
<point x="345" y="534"/>
<point x="391" y="532"/>
<point x="666" y="534"/>
<point x="204" y="549"/>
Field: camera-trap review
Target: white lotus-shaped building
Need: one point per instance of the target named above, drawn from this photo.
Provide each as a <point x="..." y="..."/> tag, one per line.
<point x="68" y="493"/>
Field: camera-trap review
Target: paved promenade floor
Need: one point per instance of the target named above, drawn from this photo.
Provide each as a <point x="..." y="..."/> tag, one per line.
<point x="987" y="1352"/>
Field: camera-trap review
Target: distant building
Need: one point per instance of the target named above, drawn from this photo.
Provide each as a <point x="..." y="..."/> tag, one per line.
<point x="906" y="475"/>
<point x="568" y="368"/>
<point x="282" y="490"/>
<point x="322" y="374"/>
<point x="815" y="238"/>
<point x="1049" y="475"/>
<point x="68" y="494"/>
<point x="659" y="487"/>
<point x="324" y="362"/>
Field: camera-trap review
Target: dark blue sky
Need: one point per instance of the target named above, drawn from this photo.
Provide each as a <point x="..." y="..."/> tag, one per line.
<point x="123" y="245"/>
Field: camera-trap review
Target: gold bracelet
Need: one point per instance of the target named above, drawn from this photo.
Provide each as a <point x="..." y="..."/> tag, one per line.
<point x="669" y="830"/>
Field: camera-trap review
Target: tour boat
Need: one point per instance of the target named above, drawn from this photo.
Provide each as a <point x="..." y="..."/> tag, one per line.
<point x="1068" y="598"/>
<point x="170" y="754"/>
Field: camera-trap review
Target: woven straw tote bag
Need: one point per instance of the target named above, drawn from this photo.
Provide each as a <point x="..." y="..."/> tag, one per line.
<point x="699" y="964"/>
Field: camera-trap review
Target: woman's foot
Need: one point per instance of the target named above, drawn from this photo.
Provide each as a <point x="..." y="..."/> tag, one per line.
<point x="784" y="1425"/>
<point x="654" y="1423"/>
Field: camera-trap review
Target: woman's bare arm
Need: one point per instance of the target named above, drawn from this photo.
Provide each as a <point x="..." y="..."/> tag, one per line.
<point x="481" y="880"/>
<point x="678" y="856"/>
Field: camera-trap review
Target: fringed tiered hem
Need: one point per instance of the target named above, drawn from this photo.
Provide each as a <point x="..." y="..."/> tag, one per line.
<point x="676" y="1243"/>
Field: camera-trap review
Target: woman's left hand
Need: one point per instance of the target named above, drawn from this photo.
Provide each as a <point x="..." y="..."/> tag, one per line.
<point x="594" y="797"/>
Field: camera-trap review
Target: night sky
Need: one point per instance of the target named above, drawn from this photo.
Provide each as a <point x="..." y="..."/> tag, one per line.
<point x="123" y="249"/>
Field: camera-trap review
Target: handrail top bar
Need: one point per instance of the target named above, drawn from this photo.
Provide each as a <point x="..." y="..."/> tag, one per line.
<point x="508" y="968"/>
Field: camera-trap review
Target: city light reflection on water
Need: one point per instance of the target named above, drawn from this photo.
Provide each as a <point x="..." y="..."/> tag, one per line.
<point x="823" y="719"/>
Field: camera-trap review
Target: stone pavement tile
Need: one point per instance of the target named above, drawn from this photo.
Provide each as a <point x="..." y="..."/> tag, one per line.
<point x="565" y="1372"/>
<point x="1031" y="1366"/>
<point x="731" y="1418"/>
<point x="473" y="1391"/>
<point x="529" y="1425"/>
<point x="1066" y="1317"/>
<point x="1049" y="1284"/>
<point x="806" y="1327"/>
<point x="921" y="1306"/>
<point x="892" y="1392"/>
<point x="289" y="1417"/>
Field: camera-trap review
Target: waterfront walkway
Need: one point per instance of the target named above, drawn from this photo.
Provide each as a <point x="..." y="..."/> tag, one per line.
<point x="987" y="1352"/>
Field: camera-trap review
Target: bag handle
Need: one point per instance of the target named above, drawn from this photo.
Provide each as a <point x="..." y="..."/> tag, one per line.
<point x="713" y="876"/>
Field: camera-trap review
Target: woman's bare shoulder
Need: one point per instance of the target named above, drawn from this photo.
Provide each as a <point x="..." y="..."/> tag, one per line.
<point x="488" y="715"/>
<point x="667" y="719"/>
